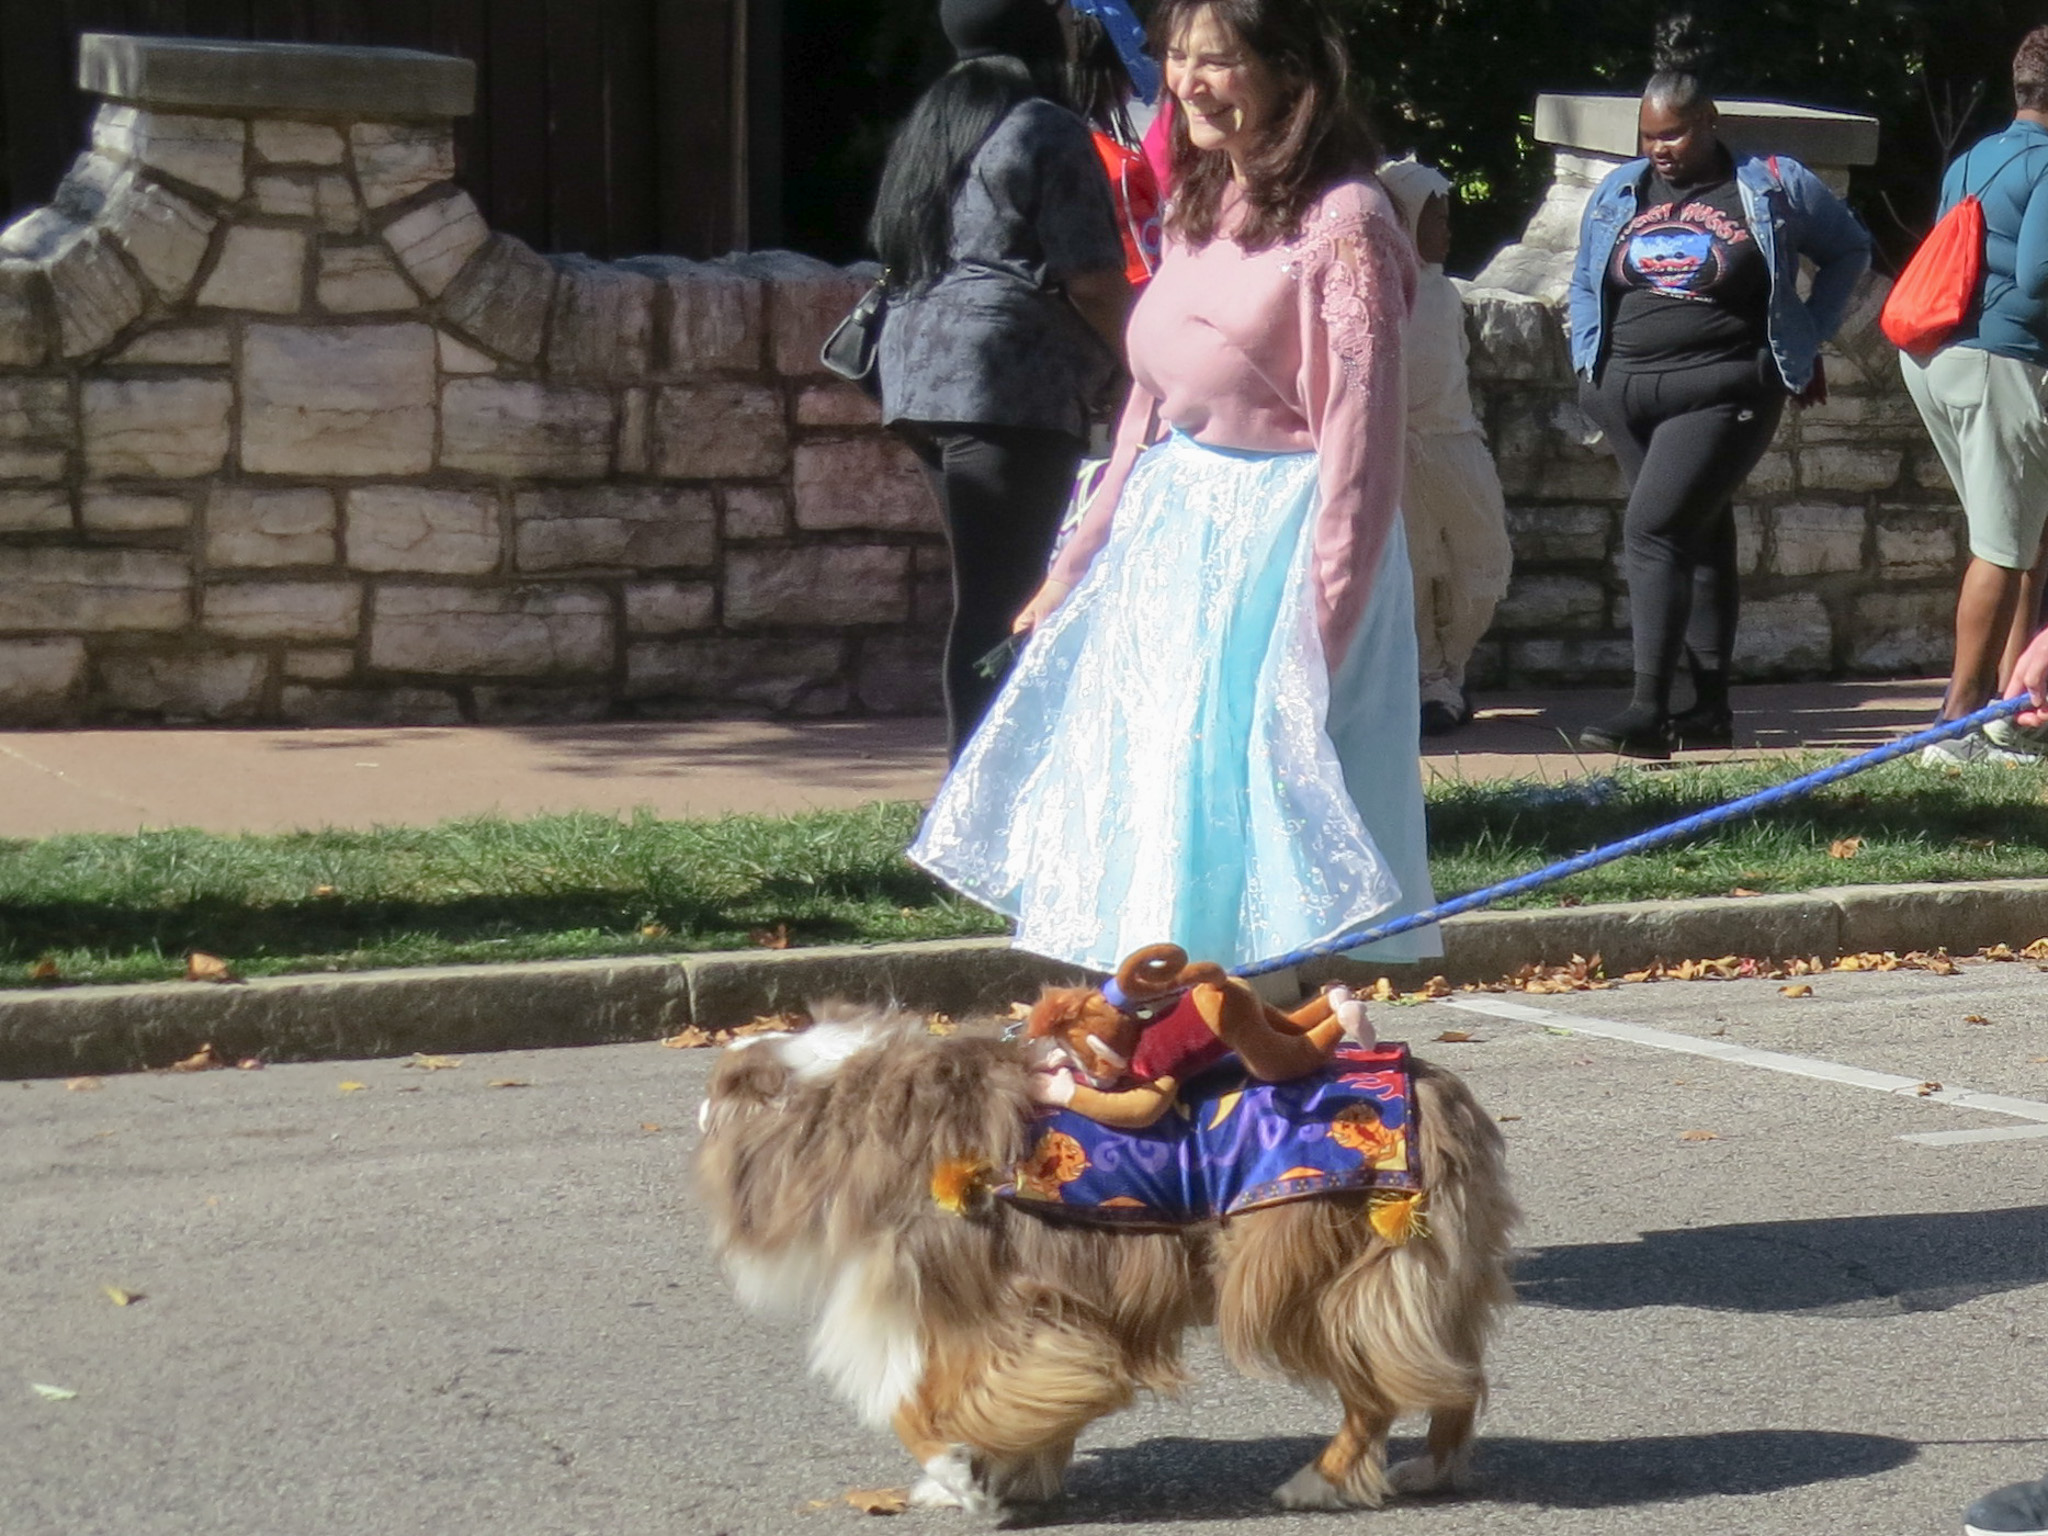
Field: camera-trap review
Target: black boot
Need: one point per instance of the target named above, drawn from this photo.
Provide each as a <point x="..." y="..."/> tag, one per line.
<point x="1709" y="722"/>
<point x="1641" y="730"/>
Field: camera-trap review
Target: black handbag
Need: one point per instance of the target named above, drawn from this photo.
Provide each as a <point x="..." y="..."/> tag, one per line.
<point x="850" y="350"/>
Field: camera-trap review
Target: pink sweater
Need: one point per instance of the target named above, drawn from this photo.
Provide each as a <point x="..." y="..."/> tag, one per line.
<point x="1294" y="347"/>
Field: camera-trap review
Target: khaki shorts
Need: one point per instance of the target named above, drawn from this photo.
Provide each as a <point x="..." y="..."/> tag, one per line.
<point x="1988" y="416"/>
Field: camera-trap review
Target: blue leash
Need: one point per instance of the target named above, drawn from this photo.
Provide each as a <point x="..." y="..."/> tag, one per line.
<point x="1655" y="837"/>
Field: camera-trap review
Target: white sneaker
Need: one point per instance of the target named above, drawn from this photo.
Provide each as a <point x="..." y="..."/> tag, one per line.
<point x="1971" y="751"/>
<point x="2009" y="734"/>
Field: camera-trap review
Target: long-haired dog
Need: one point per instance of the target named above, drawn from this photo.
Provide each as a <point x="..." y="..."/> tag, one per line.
<point x="847" y="1170"/>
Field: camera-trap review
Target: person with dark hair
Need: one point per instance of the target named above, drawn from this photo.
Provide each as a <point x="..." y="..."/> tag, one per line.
<point x="1006" y="303"/>
<point x="1211" y="737"/>
<point x="1984" y="398"/>
<point x="1690" y="333"/>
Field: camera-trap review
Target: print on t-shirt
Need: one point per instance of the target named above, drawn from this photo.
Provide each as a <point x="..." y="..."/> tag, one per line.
<point x="1682" y="252"/>
<point x="1694" y="245"/>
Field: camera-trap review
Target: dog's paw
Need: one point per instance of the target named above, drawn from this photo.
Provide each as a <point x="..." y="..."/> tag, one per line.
<point x="930" y="1493"/>
<point x="1425" y="1474"/>
<point x="1309" y="1489"/>
<point x="949" y="1483"/>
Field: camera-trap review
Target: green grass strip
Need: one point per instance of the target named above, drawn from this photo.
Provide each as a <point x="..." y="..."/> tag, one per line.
<point x="128" y="908"/>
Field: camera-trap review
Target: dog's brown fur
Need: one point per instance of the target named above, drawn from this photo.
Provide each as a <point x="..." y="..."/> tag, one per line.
<point x="1013" y="1332"/>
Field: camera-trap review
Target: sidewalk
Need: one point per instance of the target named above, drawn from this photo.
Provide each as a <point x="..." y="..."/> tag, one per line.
<point x="281" y="780"/>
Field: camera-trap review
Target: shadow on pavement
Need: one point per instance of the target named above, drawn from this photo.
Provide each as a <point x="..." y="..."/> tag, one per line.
<point x="1852" y="1266"/>
<point x="1150" y="1481"/>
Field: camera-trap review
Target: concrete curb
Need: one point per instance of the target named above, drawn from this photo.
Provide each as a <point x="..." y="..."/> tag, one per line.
<point x="599" y="1002"/>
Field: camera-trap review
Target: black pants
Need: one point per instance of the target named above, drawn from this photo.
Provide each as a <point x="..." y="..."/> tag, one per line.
<point x="1002" y="491"/>
<point x="1686" y="441"/>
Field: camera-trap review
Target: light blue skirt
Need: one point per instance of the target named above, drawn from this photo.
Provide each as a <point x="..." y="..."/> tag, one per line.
<point x="1172" y="759"/>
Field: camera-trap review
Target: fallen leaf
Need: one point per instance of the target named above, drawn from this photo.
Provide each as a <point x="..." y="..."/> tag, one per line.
<point x="351" y="1087"/>
<point x="1698" y="1136"/>
<point x="200" y="966"/>
<point x="941" y="1024"/>
<point x="1436" y="986"/>
<point x="1743" y="890"/>
<point x="121" y="1298"/>
<point x="1505" y="1119"/>
<point x="648" y="1125"/>
<point x="81" y="1085"/>
<point x="690" y="1038"/>
<point x="1998" y="952"/>
<point x="508" y="1082"/>
<point x="1571" y="901"/>
<point x="1975" y="1018"/>
<point x="1797" y="989"/>
<point x="1020" y="1012"/>
<point x="250" y="1064"/>
<point x="1384" y="991"/>
<point x="1454" y="1037"/>
<point x="770" y="938"/>
<point x="434" y="1063"/>
<point x="653" y="931"/>
<point x="205" y="1059"/>
<point x="323" y="890"/>
<point x="44" y="969"/>
<point x="879" y="1501"/>
<point x="1845" y="847"/>
<point x="54" y="1394"/>
<point x="2038" y="950"/>
<point x="1925" y="1089"/>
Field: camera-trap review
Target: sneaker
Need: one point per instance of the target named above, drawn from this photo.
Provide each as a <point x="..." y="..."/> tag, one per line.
<point x="1633" y="739"/>
<point x="2021" y="1510"/>
<point x="1703" y="725"/>
<point x="1441" y="719"/>
<point x="2014" y="737"/>
<point x="1971" y="751"/>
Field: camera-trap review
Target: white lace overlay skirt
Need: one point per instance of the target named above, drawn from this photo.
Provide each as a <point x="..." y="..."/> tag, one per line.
<point x="1172" y="759"/>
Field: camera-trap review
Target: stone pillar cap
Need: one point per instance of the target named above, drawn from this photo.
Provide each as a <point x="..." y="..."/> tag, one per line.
<point x="290" y="77"/>
<point x="1605" y="124"/>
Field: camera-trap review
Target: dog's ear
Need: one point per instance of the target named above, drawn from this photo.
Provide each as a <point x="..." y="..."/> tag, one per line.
<point x="750" y="1075"/>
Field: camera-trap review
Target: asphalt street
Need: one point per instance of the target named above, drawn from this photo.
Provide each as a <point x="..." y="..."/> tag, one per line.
<point x="432" y="1303"/>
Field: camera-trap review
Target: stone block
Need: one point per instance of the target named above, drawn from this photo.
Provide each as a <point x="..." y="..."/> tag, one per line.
<point x="1579" y="479"/>
<point x="670" y="607"/>
<point x="636" y="449"/>
<point x="248" y="527"/>
<point x="395" y="160"/>
<point x="335" y="205"/>
<point x="284" y="610"/>
<point x="817" y="586"/>
<point x="260" y="269"/>
<point x="322" y="666"/>
<point x="899" y="674"/>
<point x="602" y="325"/>
<point x="1851" y="418"/>
<point x="284" y="142"/>
<point x="1784" y="636"/>
<point x="807" y="298"/>
<point x="871" y="482"/>
<point x="524" y="704"/>
<point x="1902" y="632"/>
<point x="1772" y="475"/>
<point x="164" y="234"/>
<point x="526" y="430"/>
<point x="338" y="400"/>
<point x="200" y="345"/>
<point x="95" y="590"/>
<point x="205" y="152"/>
<point x="38" y="677"/>
<point x="361" y="280"/>
<point x="716" y="315"/>
<point x="1514" y="336"/>
<point x="1573" y="660"/>
<point x="1849" y="467"/>
<point x="368" y="706"/>
<point x="186" y="687"/>
<point x="281" y="78"/>
<point x="521" y="632"/>
<point x="461" y="358"/>
<point x="283" y="196"/>
<point x="642" y="528"/>
<point x="836" y="405"/>
<point x="1912" y="543"/>
<point x="96" y="295"/>
<point x="727" y="670"/>
<point x="500" y="298"/>
<point x="117" y="512"/>
<point x="26" y="318"/>
<point x="38" y="511"/>
<point x="1550" y="602"/>
<point x="1809" y="540"/>
<point x="931" y="589"/>
<point x="413" y="528"/>
<point x="1545" y="534"/>
<point x="434" y="240"/>
<point x="1749" y="540"/>
<point x="755" y="512"/>
<point x="719" y="432"/>
<point x="1930" y="474"/>
<point x="37" y="425"/>
<point x="155" y="428"/>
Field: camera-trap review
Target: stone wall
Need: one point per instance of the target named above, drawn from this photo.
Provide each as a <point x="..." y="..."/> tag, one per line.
<point x="287" y="434"/>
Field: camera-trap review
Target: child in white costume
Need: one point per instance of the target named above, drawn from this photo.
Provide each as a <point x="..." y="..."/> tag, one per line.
<point x="1452" y="507"/>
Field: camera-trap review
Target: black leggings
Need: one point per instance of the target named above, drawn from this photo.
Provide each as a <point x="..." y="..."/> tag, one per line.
<point x="1002" y="491"/>
<point x="1686" y="441"/>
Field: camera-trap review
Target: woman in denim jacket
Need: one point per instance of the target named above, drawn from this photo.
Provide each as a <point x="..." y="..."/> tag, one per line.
<point x="1689" y="332"/>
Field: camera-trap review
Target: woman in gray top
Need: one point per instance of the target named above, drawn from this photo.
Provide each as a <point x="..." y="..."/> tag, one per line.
<point x="1006" y="306"/>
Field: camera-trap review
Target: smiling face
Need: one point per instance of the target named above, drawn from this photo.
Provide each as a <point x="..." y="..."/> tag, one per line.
<point x="1231" y="96"/>
<point x="1679" y="142"/>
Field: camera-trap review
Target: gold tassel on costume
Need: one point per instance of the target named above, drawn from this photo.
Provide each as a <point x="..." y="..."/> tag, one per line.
<point x="961" y="1185"/>
<point x="1398" y="1216"/>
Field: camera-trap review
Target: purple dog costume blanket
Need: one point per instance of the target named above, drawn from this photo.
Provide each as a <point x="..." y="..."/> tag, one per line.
<point x="1230" y="1143"/>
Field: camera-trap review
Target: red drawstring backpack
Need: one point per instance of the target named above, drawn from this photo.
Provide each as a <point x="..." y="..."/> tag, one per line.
<point x="1933" y="296"/>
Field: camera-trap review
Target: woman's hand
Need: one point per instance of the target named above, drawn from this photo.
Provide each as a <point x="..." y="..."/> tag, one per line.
<point x="1043" y="602"/>
<point x="2030" y="676"/>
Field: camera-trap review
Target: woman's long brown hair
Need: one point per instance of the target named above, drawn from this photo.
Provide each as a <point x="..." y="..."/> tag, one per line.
<point x="1317" y="139"/>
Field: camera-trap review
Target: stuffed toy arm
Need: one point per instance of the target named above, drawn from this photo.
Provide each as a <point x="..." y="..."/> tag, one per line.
<point x="1129" y="1109"/>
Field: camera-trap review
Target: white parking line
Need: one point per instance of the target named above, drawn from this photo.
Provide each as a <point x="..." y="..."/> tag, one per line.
<point x="1796" y="1066"/>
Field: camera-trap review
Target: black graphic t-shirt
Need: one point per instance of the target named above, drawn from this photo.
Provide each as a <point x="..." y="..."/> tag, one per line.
<point x="1693" y="286"/>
